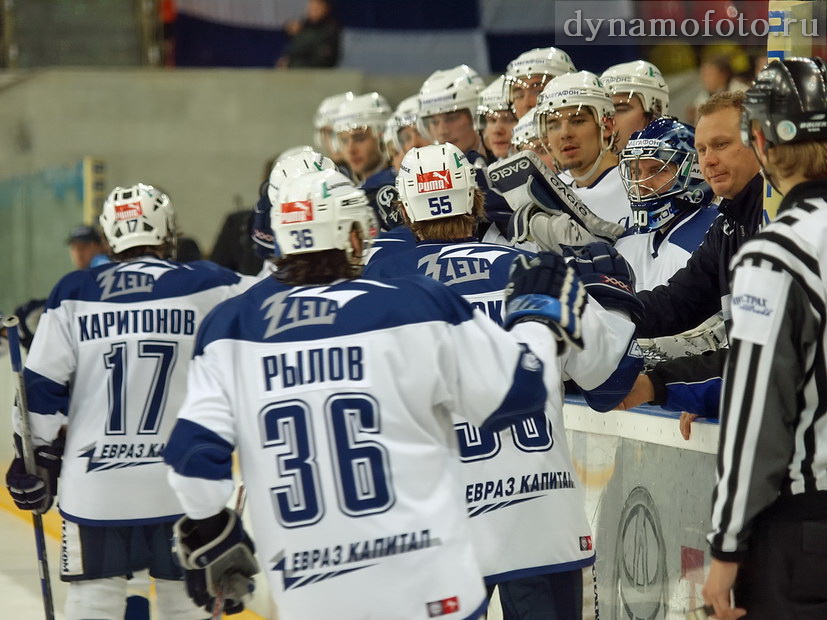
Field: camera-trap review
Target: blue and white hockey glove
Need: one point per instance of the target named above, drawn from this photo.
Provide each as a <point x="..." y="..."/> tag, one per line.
<point x="35" y="492"/>
<point x="547" y="290"/>
<point x="216" y="555"/>
<point x="607" y="277"/>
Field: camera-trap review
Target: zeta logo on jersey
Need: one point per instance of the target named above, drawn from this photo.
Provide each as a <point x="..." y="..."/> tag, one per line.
<point x="463" y="264"/>
<point x="132" y="277"/>
<point x="438" y="180"/>
<point x="128" y="211"/>
<point x="296" y="212"/>
<point x="302" y="307"/>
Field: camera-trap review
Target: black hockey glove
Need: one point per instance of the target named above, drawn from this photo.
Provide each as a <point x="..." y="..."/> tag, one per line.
<point x="217" y="556"/>
<point x="547" y="290"/>
<point x="35" y="492"/>
<point x="607" y="277"/>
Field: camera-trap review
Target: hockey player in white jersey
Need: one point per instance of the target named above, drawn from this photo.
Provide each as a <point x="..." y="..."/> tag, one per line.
<point x="528" y="73"/>
<point x="324" y="136"/>
<point x="341" y="416"/>
<point x="359" y="126"/>
<point x="516" y="478"/>
<point x="640" y="95"/>
<point x="495" y="120"/>
<point x="108" y="368"/>
<point x="575" y="121"/>
<point x="525" y="138"/>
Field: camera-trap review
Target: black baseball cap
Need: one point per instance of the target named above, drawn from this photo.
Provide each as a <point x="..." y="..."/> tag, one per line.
<point x="85" y="234"/>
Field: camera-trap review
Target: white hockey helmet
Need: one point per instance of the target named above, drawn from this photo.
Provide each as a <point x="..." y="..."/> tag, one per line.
<point x="492" y="99"/>
<point x="549" y="62"/>
<point x="317" y="211"/>
<point x="403" y="116"/>
<point x="294" y="165"/>
<point x="524" y="133"/>
<point x="639" y="78"/>
<point x="448" y="90"/>
<point x="368" y="111"/>
<point x="436" y="181"/>
<point x="135" y="216"/>
<point x="582" y="90"/>
<point x="325" y="113"/>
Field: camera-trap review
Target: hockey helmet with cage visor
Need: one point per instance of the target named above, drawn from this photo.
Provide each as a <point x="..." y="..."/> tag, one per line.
<point x="317" y="211"/>
<point x="138" y="215"/>
<point x="660" y="172"/>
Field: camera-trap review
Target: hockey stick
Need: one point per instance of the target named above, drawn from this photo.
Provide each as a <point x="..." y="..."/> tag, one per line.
<point x="218" y="605"/>
<point x="11" y="323"/>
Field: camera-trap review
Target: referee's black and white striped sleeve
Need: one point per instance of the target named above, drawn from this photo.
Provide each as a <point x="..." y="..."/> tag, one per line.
<point x="774" y="383"/>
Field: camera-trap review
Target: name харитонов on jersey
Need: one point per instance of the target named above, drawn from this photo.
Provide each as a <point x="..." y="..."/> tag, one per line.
<point x="315" y="365"/>
<point x="147" y="321"/>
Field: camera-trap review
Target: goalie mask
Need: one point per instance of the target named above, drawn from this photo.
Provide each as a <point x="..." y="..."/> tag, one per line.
<point x="436" y="181"/>
<point x="659" y="169"/>
<point x="317" y="211"/>
<point x="136" y="216"/>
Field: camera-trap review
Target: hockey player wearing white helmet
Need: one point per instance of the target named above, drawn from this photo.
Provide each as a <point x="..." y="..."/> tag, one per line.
<point x="495" y="120"/>
<point x="447" y="104"/>
<point x="107" y="366"/>
<point x="359" y="126"/>
<point x="343" y="425"/>
<point x="527" y="75"/>
<point x="538" y="569"/>
<point x="575" y="121"/>
<point x="323" y="126"/>
<point x="640" y="95"/>
<point x="525" y="137"/>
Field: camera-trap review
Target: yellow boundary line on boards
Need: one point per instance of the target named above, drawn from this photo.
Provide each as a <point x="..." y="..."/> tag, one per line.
<point x="53" y="525"/>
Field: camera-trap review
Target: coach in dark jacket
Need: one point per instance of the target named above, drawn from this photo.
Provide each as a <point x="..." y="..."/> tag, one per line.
<point x="702" y="287"/>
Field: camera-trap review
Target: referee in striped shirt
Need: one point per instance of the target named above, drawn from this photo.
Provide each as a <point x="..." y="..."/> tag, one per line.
<point x="769" y="513"/>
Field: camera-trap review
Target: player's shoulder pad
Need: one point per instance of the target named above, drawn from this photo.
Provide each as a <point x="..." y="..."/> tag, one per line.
<point x="74" y="285"/>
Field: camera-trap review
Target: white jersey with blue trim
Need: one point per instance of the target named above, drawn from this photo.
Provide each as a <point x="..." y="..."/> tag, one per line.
<point x="655" y="256"/>
<point x="607" y="198"/>
<point x="516" y="478"/>
<point x="339" y="400"/>
<point x="109" y="361"/>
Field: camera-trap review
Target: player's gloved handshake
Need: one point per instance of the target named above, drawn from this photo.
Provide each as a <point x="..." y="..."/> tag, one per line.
<point x="546" y="211"/>
<point x="35" y="492"/>
<point x="607" y="276"/>
<point x="547" y="290"/>
<point x="217" y="558"/>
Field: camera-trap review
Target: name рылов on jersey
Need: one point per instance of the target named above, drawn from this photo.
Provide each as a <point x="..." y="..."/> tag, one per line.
<point x="317" y="365"/>
<point x="114" y="323"/>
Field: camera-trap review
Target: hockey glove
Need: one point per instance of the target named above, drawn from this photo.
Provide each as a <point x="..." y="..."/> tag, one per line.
<point x="35" y="492"/>
<point x="526" y="182"/>
<point x="607" y="277"/>
<point x="546" y="290"/>
<point x="217" y="557"/>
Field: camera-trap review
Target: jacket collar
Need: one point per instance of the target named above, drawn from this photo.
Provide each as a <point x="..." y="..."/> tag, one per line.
<point x="746" y="203"/>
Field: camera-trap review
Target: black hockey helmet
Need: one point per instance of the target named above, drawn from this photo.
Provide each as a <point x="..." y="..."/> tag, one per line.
<point x="789" y="100"/>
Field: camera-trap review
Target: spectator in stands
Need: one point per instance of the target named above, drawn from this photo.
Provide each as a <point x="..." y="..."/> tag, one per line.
<point x="315" y="39"/>
<point x="717" y="76"/>
<point x="86" y="248"/>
